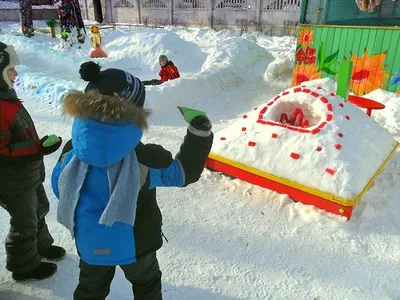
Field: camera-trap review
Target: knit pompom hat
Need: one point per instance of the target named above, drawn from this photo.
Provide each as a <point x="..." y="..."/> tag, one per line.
<point x="162" y="58"/>
<point x="113" y="81"/>
<point x="8" y="60"/>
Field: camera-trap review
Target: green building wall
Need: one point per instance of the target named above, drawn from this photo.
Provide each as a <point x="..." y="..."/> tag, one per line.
<point x="375" y="52"/>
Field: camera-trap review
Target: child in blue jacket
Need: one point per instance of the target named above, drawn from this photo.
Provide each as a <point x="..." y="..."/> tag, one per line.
<point x="106" y="182"/>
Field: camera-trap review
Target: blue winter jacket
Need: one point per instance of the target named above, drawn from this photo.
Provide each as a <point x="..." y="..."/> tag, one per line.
<point x="101" y="145"/>
<point x="105" y="130"/>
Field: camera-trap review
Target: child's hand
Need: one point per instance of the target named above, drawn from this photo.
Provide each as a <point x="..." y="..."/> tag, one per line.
<point x="49" y="144"/>
<point x="201" y="123"/>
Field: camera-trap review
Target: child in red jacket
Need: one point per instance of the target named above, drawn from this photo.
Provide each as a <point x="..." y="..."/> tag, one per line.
<point x="168" y="71"/>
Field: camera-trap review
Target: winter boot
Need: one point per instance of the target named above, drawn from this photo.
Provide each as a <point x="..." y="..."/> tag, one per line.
<point x="53" y="253"/>
<point x="43" y="271"/>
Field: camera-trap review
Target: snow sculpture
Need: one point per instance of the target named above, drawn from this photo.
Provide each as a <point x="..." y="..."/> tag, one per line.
<point x="308" y="143"/>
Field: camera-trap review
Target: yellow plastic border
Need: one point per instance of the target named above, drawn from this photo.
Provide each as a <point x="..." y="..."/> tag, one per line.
<point x="312" y="191"/>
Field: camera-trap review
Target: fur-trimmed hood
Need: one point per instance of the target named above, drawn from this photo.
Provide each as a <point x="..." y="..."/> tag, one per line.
<point x="106" y="128"/>
<point x="104" y="108"/>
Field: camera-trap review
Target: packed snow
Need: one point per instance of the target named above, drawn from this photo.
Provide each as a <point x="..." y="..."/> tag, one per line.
<point x="328" y="154"/>
<point x="227" y="238"/>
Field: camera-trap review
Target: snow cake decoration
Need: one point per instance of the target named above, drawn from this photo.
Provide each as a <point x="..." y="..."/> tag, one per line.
<point x="308" y="143"/>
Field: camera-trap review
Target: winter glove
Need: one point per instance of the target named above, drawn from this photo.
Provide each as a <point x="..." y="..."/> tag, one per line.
<point x="200" y="126"/>
<point x="49" y="144"/>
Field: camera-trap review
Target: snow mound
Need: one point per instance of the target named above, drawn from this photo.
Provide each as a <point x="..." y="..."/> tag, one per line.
<point x="280" y="68"/>
<point x="232" y="63"/>
<point x="332" y="146"/>
<point x="47" y="55"/>
<point x="231" y="60"/>
<point x="42" y="88"/>
<point x="389" y="117"/>
<point x="139" y="50"/>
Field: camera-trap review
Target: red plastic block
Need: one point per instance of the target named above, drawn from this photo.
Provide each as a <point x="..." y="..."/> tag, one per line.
<point x="324" y="100"/>
<point x="329" y="107"/>
<point x="306" y="90"/>
<point x="304" y="130"/>
<point x="330" y="171"/>
<point x="340" y="134"/>
<point x="329" y="117"/>
<point x="338" y="146"/>
<point x="348" y="117"/>
<point x="270" y="103"/>
<point x="332" y="94"/>
<point x="277" y="97"/>
<point x="341" y="104"/>
<point x="319" y="149"/>
<point x="255" y="108"/>
<point x="244" y="128"/>
<point x="314" y="94"/>
<point x="293" y="128"/>
<point x="295" y="155"/>
<point x="318" y="88"/>
<point x="285" y="93"/>
<point x="244" y="116"/>
<point x="322" y="125"/>
<point x="252" y="144"/>
<point x="274" y="135"/>
<point x="263" y="110"/>
<point x="297" y="90"/>
<point x="223" y="139"/>
<point x="262" y="122"/>
<point x="315" y="131"/>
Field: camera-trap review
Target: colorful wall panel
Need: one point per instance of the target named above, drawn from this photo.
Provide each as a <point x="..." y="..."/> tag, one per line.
<point x="375" y="52"/>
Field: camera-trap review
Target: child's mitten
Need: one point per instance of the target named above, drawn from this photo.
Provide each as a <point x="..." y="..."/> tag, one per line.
<point x="49" y="144"/>
<point x="200" y="126"/>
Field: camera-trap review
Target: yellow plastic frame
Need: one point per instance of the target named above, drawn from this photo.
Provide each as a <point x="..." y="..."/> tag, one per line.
<point x="312" y="191"/>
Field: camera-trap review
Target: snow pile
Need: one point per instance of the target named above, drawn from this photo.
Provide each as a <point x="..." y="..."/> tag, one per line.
<point x="280" y="69"/>
<point x="48" y="55"/>
<point x="329" y="152"/>
<point x="233" y="58"/>
<point x="141" y="48"/>
<point x="231" y="64"/>
<point x="389" y="117"/>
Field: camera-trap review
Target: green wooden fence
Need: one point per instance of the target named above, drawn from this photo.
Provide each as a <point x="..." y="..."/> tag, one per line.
<point x="375" y="52"/>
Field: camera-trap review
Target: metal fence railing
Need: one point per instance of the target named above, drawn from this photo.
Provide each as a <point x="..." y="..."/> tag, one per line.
<point x="192" y="4"/>
<point x="154" y="4"/>
<point x="233" y="4"/>
<point x="281" y="5"/>
<point x="123" y="3"/>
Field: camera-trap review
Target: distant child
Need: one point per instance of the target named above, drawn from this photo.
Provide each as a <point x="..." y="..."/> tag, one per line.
<point x="21" y="181"/>
<point x="106" y="182"/>
<point x="168" y="71"/>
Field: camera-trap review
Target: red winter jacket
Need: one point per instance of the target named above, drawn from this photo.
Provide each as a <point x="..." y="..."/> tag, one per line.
<point x="21" y="164"/>
<point x="169" y="72"/>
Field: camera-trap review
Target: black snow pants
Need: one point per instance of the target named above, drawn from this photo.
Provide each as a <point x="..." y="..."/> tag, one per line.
<point x="28" y="232"/>
<point x="144" y="274"/>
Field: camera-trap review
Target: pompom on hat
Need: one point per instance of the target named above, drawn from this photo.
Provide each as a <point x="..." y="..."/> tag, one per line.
<point x="8" y="60"/>
<point x="113" y="81"/>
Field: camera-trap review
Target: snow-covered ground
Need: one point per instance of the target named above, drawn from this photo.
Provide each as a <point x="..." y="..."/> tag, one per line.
<point x="227" y="239"/>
